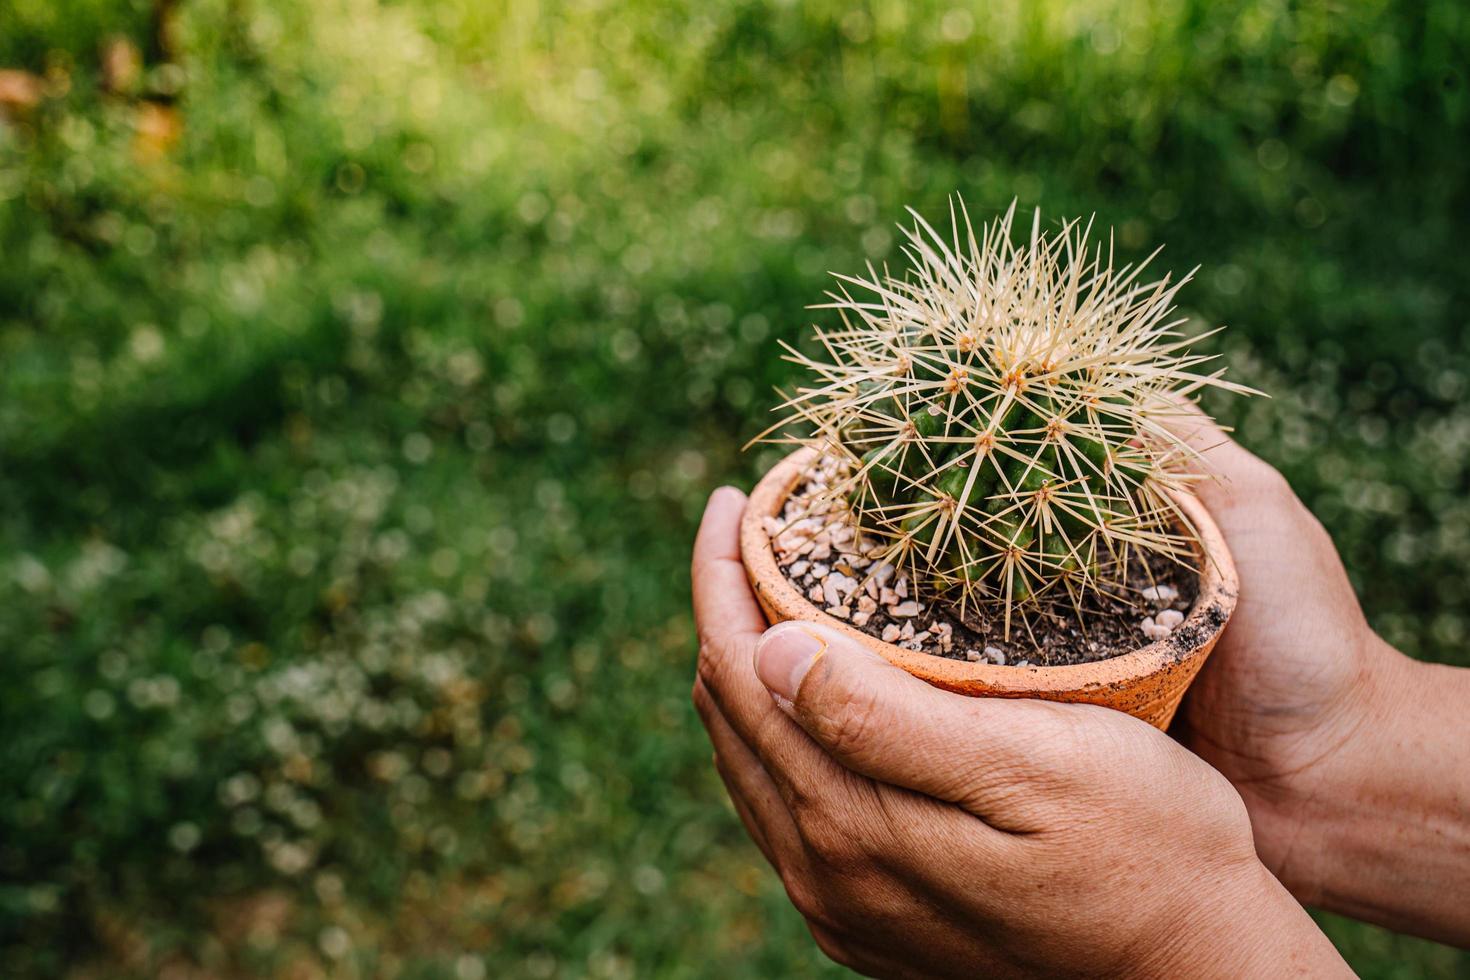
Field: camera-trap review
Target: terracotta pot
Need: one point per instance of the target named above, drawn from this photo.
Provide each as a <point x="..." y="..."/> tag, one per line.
<point x="1147" y="683"/>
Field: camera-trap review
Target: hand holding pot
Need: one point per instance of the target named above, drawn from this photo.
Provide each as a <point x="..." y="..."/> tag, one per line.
<point x="1349" y="755"/>
<point x="925" y="833"/>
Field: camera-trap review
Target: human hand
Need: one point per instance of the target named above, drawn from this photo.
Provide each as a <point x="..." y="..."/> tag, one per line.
<point x="1290" y="682"/>
<point x="1349" y="756"/>
<point x="924" y="833"/>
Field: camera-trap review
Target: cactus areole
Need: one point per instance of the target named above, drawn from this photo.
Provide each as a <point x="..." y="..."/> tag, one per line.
<point x="1002" y="411"/>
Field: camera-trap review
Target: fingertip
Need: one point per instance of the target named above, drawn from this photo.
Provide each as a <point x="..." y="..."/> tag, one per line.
<point x="718" y="526"/>
<point x="724" y="605"/>
<point x="786" y="652"/>
<point x="727" y="496"/>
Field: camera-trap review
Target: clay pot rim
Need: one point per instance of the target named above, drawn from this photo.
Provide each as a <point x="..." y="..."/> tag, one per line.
<point x="1218" y="588"/>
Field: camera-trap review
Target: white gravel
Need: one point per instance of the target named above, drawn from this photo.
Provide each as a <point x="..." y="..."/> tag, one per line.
<point x="823" y="556"/>
<point x="1153" y="630"/>
<point x="1161" y="593"/>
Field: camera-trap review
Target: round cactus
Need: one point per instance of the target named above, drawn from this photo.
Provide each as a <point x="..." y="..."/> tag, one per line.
<point x="1001" y="412"/>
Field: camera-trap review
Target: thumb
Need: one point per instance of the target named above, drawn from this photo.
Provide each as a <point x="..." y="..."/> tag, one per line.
<point x="881" y="722"/>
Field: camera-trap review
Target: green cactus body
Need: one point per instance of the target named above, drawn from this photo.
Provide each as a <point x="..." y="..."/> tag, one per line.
<point x="1007" y="422"/>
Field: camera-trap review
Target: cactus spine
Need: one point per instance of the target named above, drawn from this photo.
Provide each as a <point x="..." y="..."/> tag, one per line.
<point x="1002" y="411"/>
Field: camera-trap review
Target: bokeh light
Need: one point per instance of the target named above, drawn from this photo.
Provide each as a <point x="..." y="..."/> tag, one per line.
<point x="364" y="367"/>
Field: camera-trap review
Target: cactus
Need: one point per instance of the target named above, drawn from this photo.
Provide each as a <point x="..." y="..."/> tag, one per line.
<point x="1002" y="413"/>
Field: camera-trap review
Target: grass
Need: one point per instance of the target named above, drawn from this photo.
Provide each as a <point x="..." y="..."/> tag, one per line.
<point x="352" y="444"/>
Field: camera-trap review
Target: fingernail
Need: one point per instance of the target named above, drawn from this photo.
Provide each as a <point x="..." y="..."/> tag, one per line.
<point x="783" y="657"/>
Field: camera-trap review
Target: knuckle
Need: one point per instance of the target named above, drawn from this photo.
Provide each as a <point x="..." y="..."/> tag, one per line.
<point x="1076" y="731"/>
<point x="705" y="634"/>
<point x="1047" y="771"/>
<point x="829" y="842"/>
<point x="808" y="812"/>
<point x="708" y="663"/>
<point x="806" y="898"/>
<point x="700" y="695"/>
<point x="848" y="835"/>
<point x="1072" y="733"/>
<point x="1223" y="801"/>
<point x="833" y="947"/>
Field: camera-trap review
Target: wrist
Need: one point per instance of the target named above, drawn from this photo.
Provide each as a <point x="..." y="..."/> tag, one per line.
<point x="1299" y="816"/>
<point x="1378" y="828"/>
<point x="1245" y="925"/>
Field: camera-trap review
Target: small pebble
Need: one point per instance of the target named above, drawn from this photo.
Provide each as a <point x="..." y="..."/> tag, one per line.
<point x="1169" y="618"/>
<point x="800" y="568"/>
<point x="1161" y="593"/>
<point x="890" y="633"/>
<point x="841" y="612"/>
<point x="1153" y="630"/>
<point x="995" y="655"/>
<point x="908" y="631"/>
<point x="906" y="609"/>
<point x="845" y="585"/>
<point x="973" y="656"/>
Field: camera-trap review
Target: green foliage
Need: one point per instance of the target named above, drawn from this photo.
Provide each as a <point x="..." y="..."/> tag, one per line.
<point x="350" y="450"/>
<point x="66" y="35"/>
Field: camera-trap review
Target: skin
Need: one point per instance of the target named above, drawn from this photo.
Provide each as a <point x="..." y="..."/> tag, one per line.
<point x="1349" y="755"/>
<point x="921" y="833"/>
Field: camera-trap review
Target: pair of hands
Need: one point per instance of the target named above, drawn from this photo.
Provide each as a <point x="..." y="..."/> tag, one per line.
<point x="924" y="833"/>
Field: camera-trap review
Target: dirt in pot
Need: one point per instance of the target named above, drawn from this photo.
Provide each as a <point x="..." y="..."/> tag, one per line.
<point x="820" y="554"/>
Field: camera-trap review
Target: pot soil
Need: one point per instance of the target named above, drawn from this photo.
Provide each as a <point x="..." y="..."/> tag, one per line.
<point x="1103" y="658"/>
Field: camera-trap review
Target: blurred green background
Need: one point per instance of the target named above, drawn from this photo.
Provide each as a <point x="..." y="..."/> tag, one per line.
<point x="364" y="367"/>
